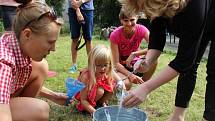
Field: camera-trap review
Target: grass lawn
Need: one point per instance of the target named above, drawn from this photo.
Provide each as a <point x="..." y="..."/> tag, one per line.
<point x="158" y="106"/>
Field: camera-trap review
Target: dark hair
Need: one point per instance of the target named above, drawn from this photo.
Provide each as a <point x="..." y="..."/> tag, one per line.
<point x="123" y="15"/>
<point x="23" y="2"/>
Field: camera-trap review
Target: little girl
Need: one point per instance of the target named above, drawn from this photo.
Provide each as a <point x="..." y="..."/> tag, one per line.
<point x="99" y="80"/>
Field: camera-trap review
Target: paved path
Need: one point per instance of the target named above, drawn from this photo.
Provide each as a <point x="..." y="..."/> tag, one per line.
<point x="172" y="46"/>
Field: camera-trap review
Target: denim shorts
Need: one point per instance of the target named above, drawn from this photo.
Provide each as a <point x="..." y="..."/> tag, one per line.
<point x="75" y="26"/>
<point x="8" y="14"/>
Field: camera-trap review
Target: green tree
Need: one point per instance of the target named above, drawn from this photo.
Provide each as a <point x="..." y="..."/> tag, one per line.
<point x="106" y="12"/>
<point x="57" y="4"/>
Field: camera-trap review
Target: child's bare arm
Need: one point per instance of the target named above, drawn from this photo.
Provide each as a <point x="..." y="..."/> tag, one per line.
<point x="116" y="76"/>
<point x="84" y="93"/>
<point x="115" y="52"/>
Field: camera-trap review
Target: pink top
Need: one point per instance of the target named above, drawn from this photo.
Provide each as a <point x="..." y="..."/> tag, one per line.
<point x="15" y="68"/>
<point x="8" y="3"/>
<point x="126" y="46"/>
<point x="100" y="82"/>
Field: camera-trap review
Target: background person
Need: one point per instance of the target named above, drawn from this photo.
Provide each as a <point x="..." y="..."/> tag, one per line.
<point x="192" y="22"/>
<point x="8" y="10"/>
<point x="80" y="16"/>
<point x="23" y="69"/>
<point x="125" y="42"/>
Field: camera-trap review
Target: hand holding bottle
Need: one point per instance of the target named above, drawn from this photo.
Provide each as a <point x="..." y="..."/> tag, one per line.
<point x="141" y="66"/>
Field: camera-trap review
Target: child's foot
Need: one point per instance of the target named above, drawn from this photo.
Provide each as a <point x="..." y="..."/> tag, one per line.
<point x="73" y="68"/>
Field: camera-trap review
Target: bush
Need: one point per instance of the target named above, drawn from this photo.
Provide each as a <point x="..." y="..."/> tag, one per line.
<point x="1" y="27"/>
<point x="106" y="13"/>
<point x="65" y="28"/>
<point x="57" y="4"/>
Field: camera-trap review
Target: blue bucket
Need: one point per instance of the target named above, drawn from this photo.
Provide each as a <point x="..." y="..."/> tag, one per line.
<point x="117" y="113"/>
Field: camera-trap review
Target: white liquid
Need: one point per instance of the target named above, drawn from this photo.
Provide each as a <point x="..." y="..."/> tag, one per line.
<point x="117" y="116"/>
<point x="120" y="99"/>
<point x="107" y="115"/>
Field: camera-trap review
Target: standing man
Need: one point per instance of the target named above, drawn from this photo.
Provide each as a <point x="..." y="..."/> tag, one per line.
<point x="8" y="9"/>
<point x="80" y="16"/>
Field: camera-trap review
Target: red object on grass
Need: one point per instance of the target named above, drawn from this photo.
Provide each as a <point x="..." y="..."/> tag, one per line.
<point x="52" y="73"/>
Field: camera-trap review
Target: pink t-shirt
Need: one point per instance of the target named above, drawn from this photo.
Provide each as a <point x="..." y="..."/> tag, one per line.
<point x="126" y="46"/>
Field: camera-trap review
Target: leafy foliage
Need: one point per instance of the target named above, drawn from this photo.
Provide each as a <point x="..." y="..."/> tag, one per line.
<point x="106" y="12"/>
<point x="57" y="4"/>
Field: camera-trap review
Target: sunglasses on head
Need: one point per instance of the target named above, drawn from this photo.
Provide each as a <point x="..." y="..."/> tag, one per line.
<point x="50" y="14"/>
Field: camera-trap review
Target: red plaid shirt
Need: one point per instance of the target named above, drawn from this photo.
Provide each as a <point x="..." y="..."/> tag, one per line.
<point x="15" y="68"/>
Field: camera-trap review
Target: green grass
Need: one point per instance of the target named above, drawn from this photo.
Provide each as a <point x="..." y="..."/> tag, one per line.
<point x="158" y="106"/>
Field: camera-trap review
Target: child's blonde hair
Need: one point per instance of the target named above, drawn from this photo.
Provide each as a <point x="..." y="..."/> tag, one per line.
<point x="34" y="15"/>
<point x="154" y="8"/>
<point x="100" y="53"/>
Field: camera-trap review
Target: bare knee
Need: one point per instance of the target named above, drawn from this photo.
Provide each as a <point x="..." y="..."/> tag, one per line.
<point x="43" y="111"/>
<point x="29" y="109"/>
<point x="43" y="68"/>
<point x="99" y="93"/>
<point x="40" y="69"/>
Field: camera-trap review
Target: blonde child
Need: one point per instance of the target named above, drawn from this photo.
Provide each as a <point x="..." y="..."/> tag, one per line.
<point x="98" y="78"/>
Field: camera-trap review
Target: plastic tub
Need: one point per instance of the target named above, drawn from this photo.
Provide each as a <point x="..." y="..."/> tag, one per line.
<point x="116" y="113"/>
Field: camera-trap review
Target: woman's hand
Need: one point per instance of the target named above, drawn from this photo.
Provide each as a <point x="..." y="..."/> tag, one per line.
<point x="60" y="98"/>
<point x="80" y="17"/>
<point x="76" y="4"/>
<point x="142" y="66"/>
<point x="129" y="59"/>
<point x="135" y="79"/>
<point x="135" y="96"/>
<point x="139" y="80"/>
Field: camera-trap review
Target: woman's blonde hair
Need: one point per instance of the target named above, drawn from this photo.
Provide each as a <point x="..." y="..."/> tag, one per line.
<point x="34" y="15"/>
<point x="154" y="8"/>
<point x="100" y="53"/>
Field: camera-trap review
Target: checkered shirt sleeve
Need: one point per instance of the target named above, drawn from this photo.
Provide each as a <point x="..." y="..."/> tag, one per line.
<point x="5" y="83"/>
<point x="15" y="68"/>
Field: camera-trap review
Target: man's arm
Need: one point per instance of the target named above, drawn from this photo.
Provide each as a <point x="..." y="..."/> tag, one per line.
<point x="5" y="114"/>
